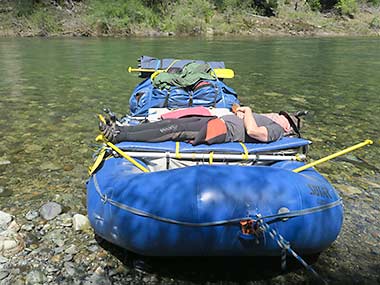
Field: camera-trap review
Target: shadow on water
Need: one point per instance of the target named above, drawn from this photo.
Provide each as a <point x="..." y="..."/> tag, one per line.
<point x="206" y="269"/>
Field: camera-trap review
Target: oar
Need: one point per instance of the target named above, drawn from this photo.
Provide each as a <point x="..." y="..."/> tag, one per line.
<point x="118" y="150"/>
<point x="219" y="72"/>
<point x="339" y="153"/>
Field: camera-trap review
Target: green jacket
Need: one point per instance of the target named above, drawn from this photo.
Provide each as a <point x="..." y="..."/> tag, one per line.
<point x="190" y="74"/>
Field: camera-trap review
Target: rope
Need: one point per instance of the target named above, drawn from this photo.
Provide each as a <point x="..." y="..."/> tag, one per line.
<point x="285" y="246"/>
<point x="142" y="213"/>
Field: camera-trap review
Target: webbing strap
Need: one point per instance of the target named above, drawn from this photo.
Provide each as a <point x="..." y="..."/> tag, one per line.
<point x="177" y="154"/>
<point x="298" y="157"/>
<point x="211" y="158"/>
<point x="245" y="149"/>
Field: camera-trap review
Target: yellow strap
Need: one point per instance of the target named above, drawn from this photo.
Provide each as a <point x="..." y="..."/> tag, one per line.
<point x="339" y="153"/>
<point x="97" y="162"/>
<point x="177" y="154"/>
<point x="211" y="158"/>
<point x="298" y="157"/>
<point x="245" y="154"/>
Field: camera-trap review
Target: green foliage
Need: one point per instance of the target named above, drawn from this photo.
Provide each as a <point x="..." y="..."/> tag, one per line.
<point x="314" y="5"/>
<point x="347" y="7"/>
<point x="44" y="21"/>
<point x="187" y="16"/>
<point x="327" y="5"/>
<point x="375" y="23"/>
<point x="24" y="7"/>
<point x="374" y="2"/>
<point x="119" y="15"/>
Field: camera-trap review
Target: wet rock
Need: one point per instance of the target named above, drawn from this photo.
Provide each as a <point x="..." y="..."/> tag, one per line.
<point x="4" y="162"/>
<point x="32" y="148"/>
<point x="11" y="242"/>
<point x="3" y="259"/>
<point x="56" y="236"/>
<point x="32" y="215"/>
<point x="68" y="257"/>
<point x="31" y="240"/>
<point x="93" y="248"/>
<point x="3" y="275"/>
<point x="72" y="249"/>
<point x="349" y="190"/>
<point x="35" y="277"/>
<point x="98" y="278"/>
<point x="49" y="166"/>
<point x="27" y="227"/>
<point x="5" y="220"/>
<point x="80" y="222"/>
<point x="66" y="220"/>
<point x="70" y="268"/>
<point x="4" y="192"/>
<point x="50" y="210"/>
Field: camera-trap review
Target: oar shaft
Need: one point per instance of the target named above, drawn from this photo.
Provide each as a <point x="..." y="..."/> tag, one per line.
<point x="127" y="157"/>
<point x="219" y="72"/>
<point x="329" y="157"/>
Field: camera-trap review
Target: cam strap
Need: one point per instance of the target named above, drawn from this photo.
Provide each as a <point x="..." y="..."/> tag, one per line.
<point x="291" y="122"/>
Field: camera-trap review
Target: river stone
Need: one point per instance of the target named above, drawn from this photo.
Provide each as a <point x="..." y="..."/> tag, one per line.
<point x="72" y="249"/>
<point x="3" y="274"/>
<point x="31" y="215"/>
<point x="50" y="166"/>
<point x="50" y="210"/>
<point x="4" y="192"/>
<point x="3" y="259"/>
<point x="5" y="220"/>
<point x="99" y="279"/>
<point x="80" y="222"/>
<point x="70" y="268"/>
<point x="32" y="148"/>
<point x="10" y="243"/>
<point x="4" y="162"/>
<point x="35" y="277"/>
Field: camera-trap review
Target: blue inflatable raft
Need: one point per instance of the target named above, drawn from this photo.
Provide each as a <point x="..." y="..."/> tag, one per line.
<point x="228" y="199"/>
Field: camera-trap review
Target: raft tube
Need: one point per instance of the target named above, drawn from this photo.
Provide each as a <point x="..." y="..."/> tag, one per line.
<point x="197" y="210"/>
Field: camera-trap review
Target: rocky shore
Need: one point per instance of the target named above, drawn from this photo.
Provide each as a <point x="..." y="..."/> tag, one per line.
<point x="49" y="245"/>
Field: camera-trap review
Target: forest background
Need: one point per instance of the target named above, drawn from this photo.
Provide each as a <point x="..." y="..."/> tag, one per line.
<point x="188" y="17"/>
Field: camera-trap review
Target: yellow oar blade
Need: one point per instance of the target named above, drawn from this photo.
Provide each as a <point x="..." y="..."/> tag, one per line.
<point x="224" y="73"/>
<point x="329" y="157"/>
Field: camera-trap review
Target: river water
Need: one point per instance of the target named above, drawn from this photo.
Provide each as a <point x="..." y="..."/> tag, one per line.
<point x="51" y="89"/>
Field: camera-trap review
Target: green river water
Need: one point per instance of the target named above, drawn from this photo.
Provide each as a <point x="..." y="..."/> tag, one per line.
<point x="51" y="89"/>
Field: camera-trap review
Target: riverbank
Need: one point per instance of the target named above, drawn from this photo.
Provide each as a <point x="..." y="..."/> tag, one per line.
<point x="82" y="20"/>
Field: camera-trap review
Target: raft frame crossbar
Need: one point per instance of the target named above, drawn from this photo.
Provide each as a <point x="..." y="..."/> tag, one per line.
<point x="215" y="156"/>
